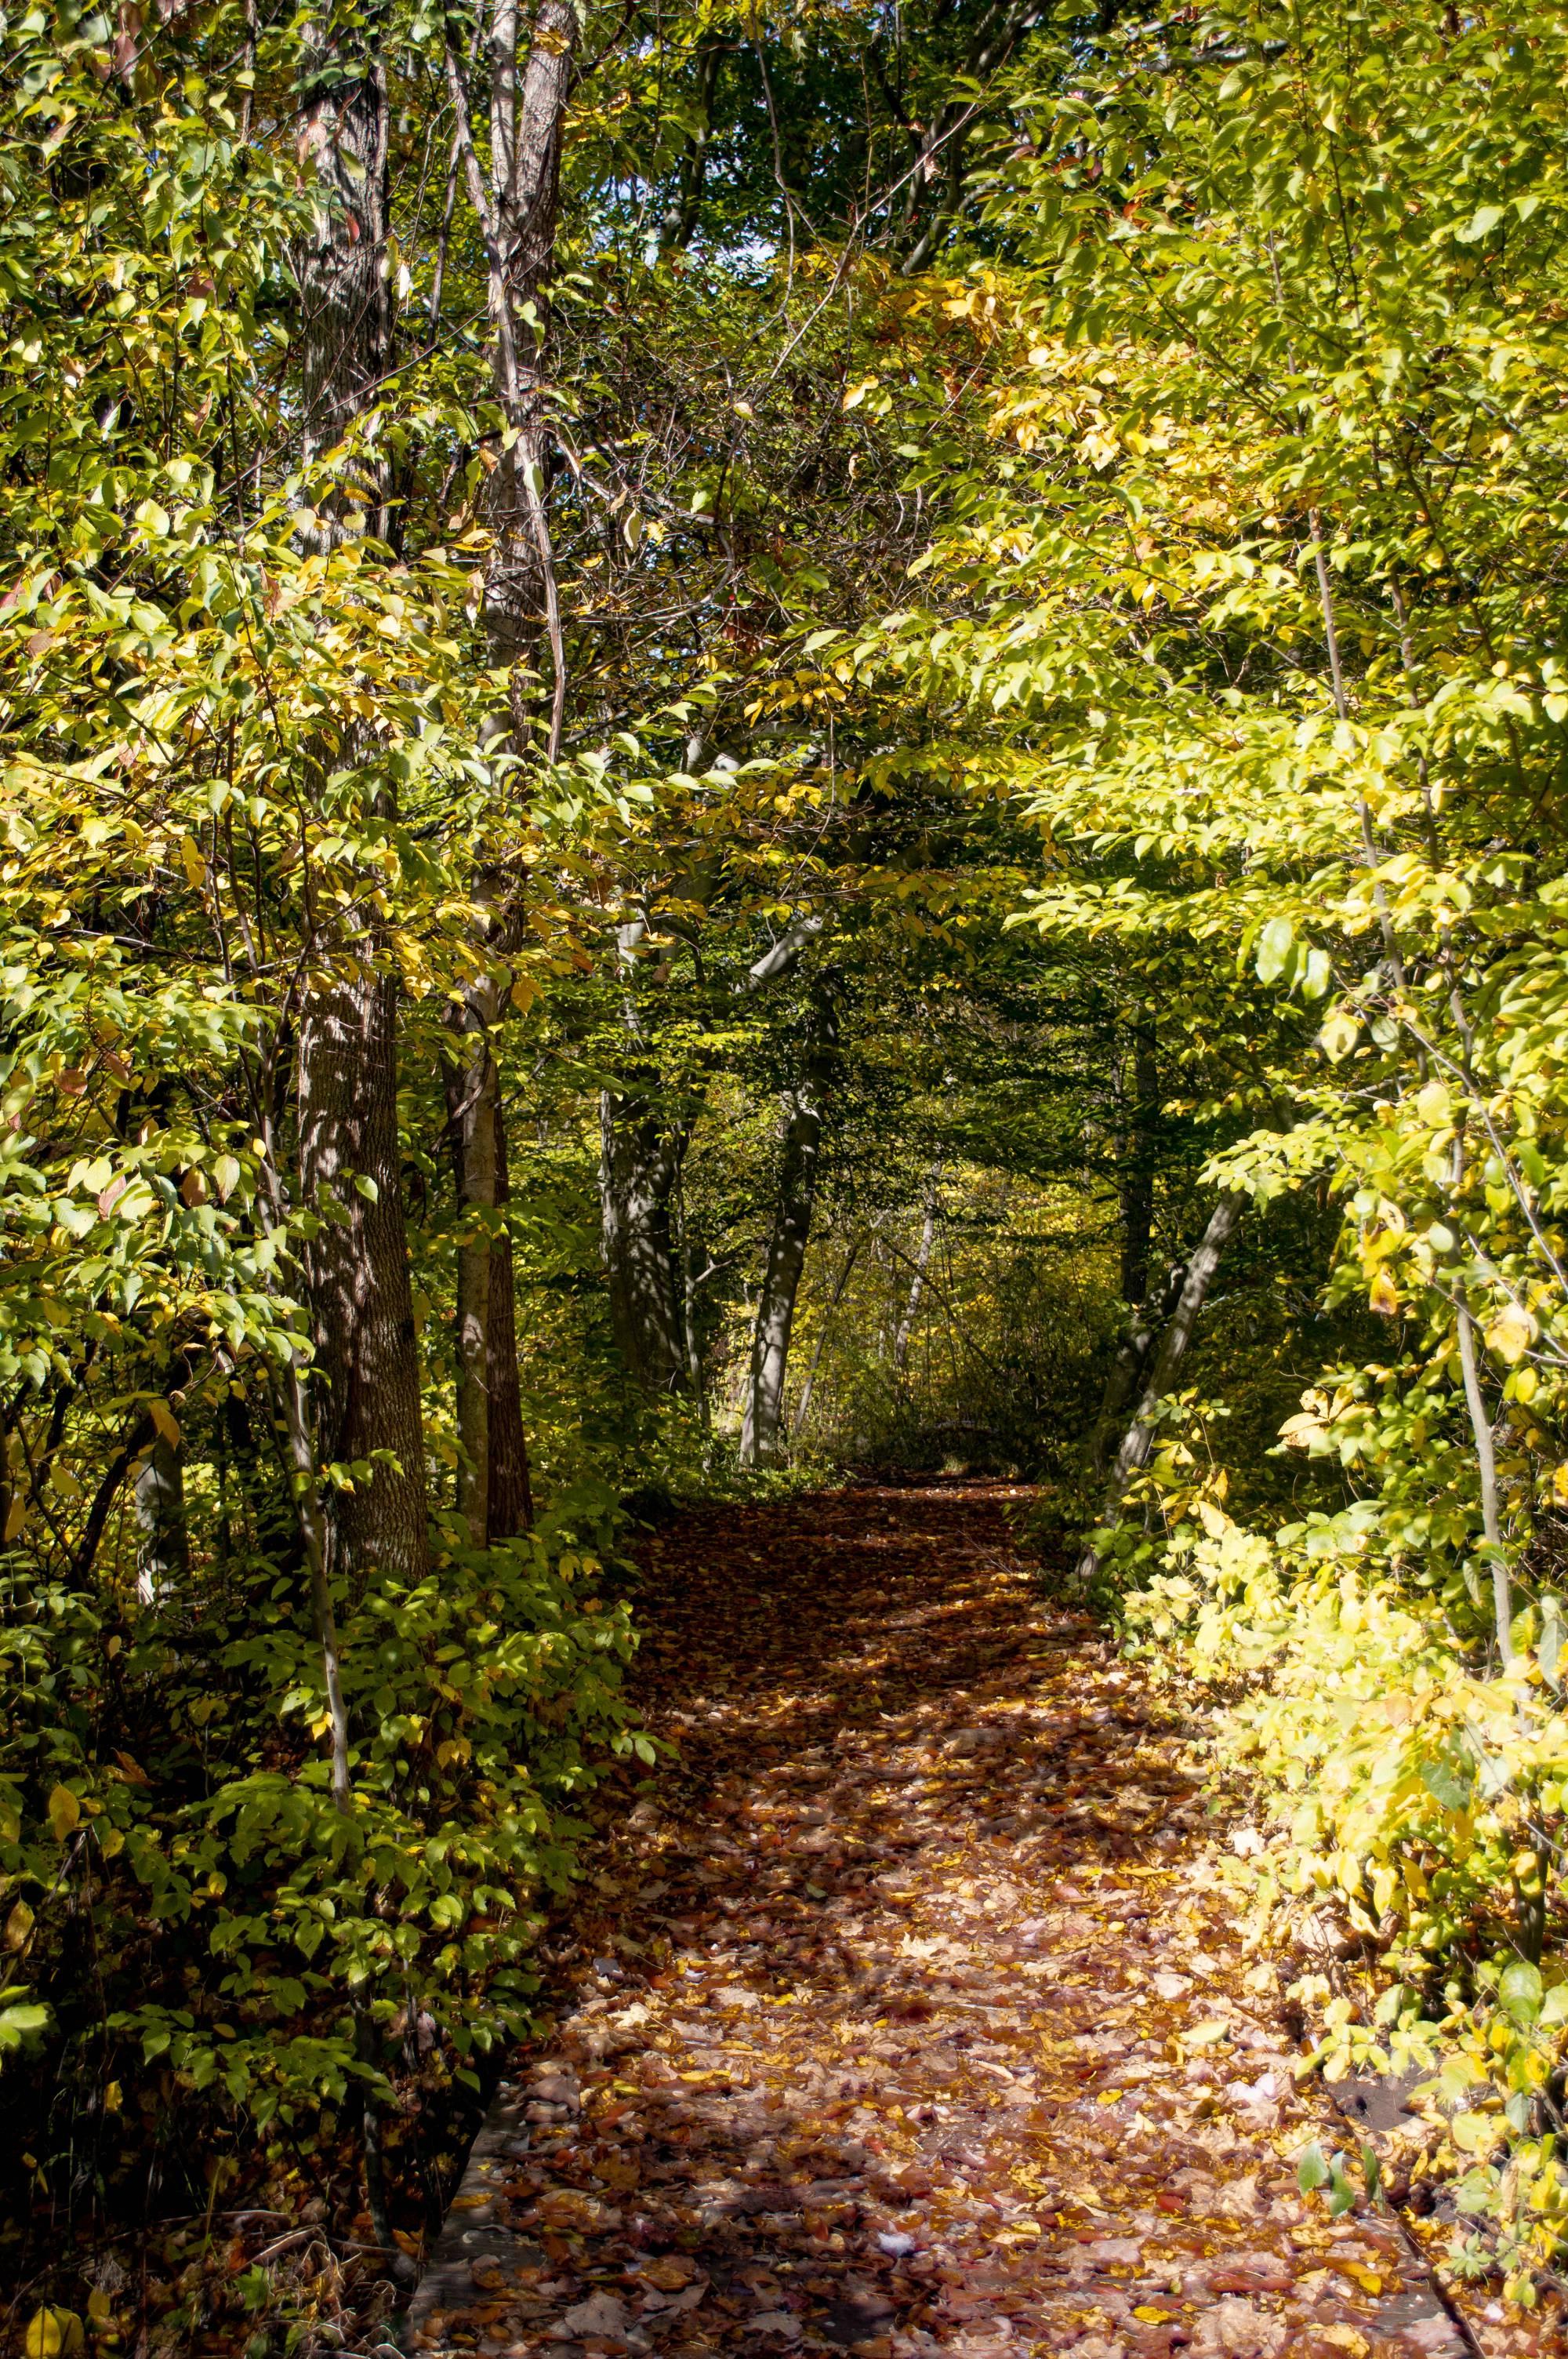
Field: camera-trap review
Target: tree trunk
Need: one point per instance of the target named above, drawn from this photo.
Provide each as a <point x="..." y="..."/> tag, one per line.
<point x="1135" y="1444"/>
<point x="921" y="1264"/>
<point x="638" y="1167"/>
<point x="803" y="1407"/>
<point x="1131" y="1358"/>
<point x="357" y="1267"/>
<point x="1136" y="1180"/>
<point x="367" y="1393"/>
<point x="163" y="1555"/>
<point x="510" y="1497"/>
<point x="761" y="1427"/>
<point x="473" y="1097"/>
<point x="345" y="291"/>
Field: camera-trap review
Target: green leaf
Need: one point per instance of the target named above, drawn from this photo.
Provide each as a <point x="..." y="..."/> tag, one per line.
<point x="1520" y="1993"/>
<point x="1274" y="946"/>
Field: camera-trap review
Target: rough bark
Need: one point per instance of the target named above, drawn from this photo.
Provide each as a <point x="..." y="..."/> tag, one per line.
<point x="515" y="199"/>
<point x="367" y="1393"/>
<point x="1136" y="1441"/>
<point x="516" y="203"/>
<point x="367" y="1390"/>
<point x="345" y="299"/>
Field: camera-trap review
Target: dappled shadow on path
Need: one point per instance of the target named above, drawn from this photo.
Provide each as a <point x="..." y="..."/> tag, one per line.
<point x="905" y="2014"/>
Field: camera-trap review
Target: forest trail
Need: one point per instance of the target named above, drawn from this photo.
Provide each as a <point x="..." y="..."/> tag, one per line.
<point x="953" y="2048"/>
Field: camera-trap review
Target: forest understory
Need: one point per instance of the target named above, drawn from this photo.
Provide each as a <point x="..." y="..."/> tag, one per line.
<point x="740" y="740"/>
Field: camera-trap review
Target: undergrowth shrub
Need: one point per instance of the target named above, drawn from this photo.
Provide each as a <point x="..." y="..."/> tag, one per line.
<point x="1417" y="1806"/>
<point x="206" y="1959"/>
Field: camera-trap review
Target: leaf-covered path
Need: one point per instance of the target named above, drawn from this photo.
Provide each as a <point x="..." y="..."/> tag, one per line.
<point x="906" y="2015"/>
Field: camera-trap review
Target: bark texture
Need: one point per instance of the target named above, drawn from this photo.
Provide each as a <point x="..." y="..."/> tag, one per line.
<point x="638" y="1167"/>
<point x="493" y="1488"/>
<point x="367" y="1390"/>
<point x="367" y="1387"/>
<point x="345" y="299"/>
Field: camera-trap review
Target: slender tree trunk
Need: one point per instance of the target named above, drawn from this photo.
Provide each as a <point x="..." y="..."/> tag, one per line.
<point x="1487" y="1466"/>
<point x="511" y="1491"/>
<point x="163" y="1557"/>
<point x="1136" y="1181"/>
<point x="1131" y="1358"/>
<point x="921" y="1264"/>
<point x="473" y="1098"/>
<point x="803" y="1407"/>
<point x="680" y="221"/>
<point x="761" y="1427"/>
<point x="1135" y="1444"/>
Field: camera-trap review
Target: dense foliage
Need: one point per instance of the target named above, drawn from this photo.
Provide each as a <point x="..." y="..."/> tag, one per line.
<point x="734" y="740"/>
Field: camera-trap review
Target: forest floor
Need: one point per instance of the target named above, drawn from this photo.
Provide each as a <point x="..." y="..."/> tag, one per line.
<point x="908" y="2012"/>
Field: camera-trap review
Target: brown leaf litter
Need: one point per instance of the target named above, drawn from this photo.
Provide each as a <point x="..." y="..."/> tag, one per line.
<point x="908" y="2014"/>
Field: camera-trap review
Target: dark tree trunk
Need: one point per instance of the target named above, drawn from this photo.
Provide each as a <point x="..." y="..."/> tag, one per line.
<point x="679" y="223"/>
<point x="762" y="1427"/>
<point x="515" y="199"/>
<point x="346" y="305"/>
<point x="511" y="1491"/>
<point x="367" y="1390"/>
<point x="1136" y="1175"/>
<point x="639" y="1165"/>
<point x="367" y="1393"/>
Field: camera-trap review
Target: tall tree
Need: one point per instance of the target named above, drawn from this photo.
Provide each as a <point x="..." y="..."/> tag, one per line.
<point x="368" y="1404"/>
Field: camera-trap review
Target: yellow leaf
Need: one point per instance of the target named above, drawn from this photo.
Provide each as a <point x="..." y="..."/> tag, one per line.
<point x="1384" y="1296"/>
<point x="65" y="1812"/>
<point x="1150" y="2316"/>
<point x="18" y="1925"/>
<point x="100" y="2309"/>
<point x="1368" y="2280"/>
<point x="53" y="2334"/>
<point x="1558" y="1487"/>
<point x="1347" y="2338"/>
<point x="1511" y="1333"/>
<point x="194" y="865"/>
<point x="17" y="1514"/>
<point x="164" y="1418"/>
